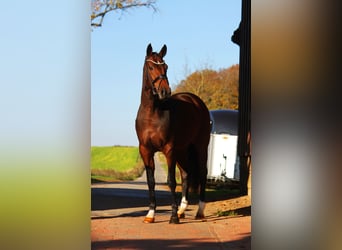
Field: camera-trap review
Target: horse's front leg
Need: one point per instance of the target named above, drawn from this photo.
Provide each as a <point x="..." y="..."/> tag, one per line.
<point x="172" y="184"/>
<point x="147" y="157"/>
<point x="151" y="188"/>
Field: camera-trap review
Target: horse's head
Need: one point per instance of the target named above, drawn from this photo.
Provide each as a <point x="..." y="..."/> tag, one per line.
<point x="155" y="69"/>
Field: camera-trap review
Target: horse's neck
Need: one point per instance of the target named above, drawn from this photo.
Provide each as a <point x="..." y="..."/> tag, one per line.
<point x="148" y="103"/>
<point x="149" y="107"/>
<point x="147" y="100"/>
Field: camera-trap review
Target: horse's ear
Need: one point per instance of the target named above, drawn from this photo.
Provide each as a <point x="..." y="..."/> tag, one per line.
<point x="162" y="52"/>
<point x="149" y="50"/>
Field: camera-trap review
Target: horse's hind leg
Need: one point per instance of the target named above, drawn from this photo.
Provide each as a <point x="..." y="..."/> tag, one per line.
<point x="203" y="181"/>
<point x="185" y="190"/>
<point x="201" y="203"/>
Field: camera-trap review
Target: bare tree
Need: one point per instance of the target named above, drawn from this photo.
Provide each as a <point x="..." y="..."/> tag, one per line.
<point x="101" y="7"/>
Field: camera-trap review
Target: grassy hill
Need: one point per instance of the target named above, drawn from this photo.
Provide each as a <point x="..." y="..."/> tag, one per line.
<point x="115" y="163"/>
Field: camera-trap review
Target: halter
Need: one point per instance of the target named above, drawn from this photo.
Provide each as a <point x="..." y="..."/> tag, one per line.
<point x="160" y="77"/>
<point x="158" y="63"/>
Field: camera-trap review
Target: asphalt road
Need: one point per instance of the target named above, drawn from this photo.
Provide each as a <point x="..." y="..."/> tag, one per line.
<point x="118" y="210"/>
<point x="115" y="198"/>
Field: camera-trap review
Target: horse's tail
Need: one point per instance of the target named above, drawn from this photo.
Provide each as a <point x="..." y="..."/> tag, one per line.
<point x="194" y="169"/>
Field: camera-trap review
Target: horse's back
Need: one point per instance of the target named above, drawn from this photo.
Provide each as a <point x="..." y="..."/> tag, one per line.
<point x="192" y="103"/>
<point x="190" y="98"/>
<point x="190" y="117"/>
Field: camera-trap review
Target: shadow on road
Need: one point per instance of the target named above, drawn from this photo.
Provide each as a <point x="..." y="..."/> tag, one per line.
<point x="115" y="198"/>
<point x="244" y="243"/>
<point x="135" y="194"/>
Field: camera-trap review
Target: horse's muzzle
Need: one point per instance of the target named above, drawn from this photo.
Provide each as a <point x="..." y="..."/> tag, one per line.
<point x="161" y="88"/>
<point x="164" y="93"/>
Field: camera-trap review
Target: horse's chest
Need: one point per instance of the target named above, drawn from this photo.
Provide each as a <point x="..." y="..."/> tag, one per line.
<point x="152" y="133"/>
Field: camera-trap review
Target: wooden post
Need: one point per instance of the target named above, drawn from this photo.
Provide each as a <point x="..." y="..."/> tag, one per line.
<point x="242" y="37"/>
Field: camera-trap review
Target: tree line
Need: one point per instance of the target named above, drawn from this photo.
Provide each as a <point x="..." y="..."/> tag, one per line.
<point x="218" y="89"/>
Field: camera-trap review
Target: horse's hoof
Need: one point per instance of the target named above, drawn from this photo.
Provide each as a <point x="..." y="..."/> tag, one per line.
<point x="181" y="216"/>
<point x="199" y="216"/>
<point x="149" y="220"/>
<point x="174" y="220"/>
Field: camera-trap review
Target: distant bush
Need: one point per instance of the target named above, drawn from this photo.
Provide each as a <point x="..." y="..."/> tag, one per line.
<point x="218" y="89"/>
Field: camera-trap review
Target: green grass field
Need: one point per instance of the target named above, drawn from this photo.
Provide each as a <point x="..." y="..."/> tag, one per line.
<point x="122" y="163"/>
<point x="115" y="163"/>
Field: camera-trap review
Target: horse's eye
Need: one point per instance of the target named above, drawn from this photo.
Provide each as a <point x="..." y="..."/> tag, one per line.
<point x="150" y="67"/>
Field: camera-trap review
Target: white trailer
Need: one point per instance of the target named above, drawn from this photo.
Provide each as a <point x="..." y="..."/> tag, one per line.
<point x="223" y="162"/>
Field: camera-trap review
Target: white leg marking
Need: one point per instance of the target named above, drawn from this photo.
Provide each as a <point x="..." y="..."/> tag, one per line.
<point x="183" y="206"/>
<point x="150" y="213"/>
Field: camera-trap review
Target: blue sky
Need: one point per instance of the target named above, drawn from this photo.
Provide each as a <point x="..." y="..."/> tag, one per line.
<point x="197" y="34"/>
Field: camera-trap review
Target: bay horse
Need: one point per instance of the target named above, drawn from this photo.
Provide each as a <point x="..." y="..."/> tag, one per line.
<point x="177" y="125"/>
